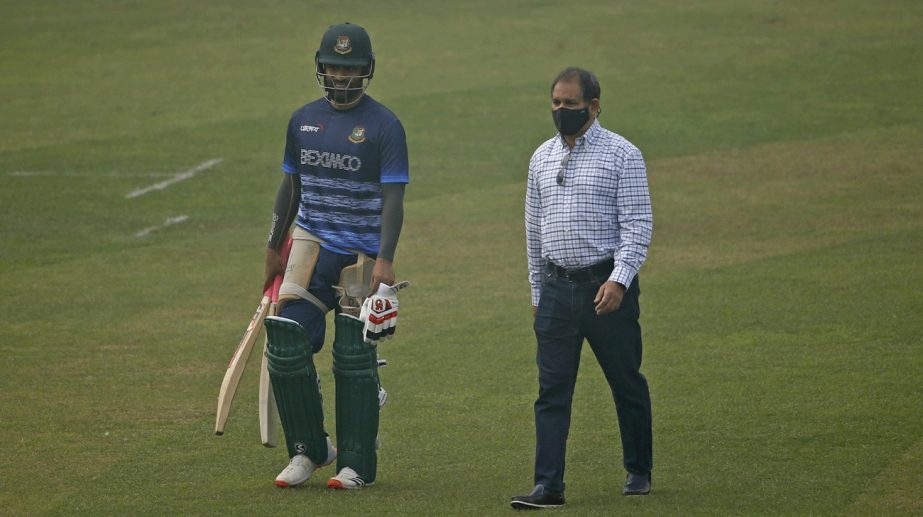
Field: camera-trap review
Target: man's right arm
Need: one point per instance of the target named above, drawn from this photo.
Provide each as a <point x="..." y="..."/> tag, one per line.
<point x="283" y="214"/>
<point x="533" y="218"/>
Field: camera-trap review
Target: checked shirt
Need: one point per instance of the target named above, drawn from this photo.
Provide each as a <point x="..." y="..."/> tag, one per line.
<point x="600" y="210"/>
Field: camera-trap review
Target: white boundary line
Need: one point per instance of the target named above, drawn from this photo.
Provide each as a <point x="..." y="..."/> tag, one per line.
<point x="185" y="175"/>
<point x="173" y="178"/>
<point x="169" y="222"/>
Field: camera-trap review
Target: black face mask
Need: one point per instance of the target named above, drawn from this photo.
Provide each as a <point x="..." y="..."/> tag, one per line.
<point x="568" y="121"/>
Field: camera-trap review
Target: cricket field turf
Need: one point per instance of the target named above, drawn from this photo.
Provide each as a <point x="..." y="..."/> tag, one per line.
<point x="140" y="150"/>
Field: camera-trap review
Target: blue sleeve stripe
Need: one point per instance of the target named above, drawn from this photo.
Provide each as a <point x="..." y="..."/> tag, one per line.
<point x="395" y="178"/>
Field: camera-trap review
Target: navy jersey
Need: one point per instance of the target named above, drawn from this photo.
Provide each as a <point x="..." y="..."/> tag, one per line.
<point x="342" y="158"/>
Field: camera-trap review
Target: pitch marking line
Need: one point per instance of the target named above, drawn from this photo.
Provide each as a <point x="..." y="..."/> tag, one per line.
<point x="169" y="222"/>
<point x="182" y="176"/>
<point x="30" y="174"/>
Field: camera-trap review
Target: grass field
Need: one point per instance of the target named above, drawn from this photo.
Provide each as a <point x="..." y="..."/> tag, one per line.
<point x="781" y="298"/>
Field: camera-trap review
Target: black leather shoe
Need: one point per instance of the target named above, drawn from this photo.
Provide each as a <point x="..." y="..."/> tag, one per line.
<point x="538" y="499"/>
<point x="637" y="484"/>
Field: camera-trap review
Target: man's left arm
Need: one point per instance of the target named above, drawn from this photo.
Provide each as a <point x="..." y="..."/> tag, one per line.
<point x="635" y="227"/>
<point x="379" y="310"/>
<point x="394" y="177"/>
<point x="392" y="220"/>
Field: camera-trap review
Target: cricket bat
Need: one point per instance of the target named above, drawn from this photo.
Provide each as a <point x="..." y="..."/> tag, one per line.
<point x="239" y="361"/>
<point x="267" y="400"/>
<point x="268" y="412"/>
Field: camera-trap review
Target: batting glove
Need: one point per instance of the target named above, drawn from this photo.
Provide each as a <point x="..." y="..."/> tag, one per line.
<point x="379" y="312"/>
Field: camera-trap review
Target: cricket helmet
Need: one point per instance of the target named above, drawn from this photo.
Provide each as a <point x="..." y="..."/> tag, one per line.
<point x="344" y="44"/>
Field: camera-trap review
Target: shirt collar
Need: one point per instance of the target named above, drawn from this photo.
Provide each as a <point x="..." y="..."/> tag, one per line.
<point x="589" y="137"/>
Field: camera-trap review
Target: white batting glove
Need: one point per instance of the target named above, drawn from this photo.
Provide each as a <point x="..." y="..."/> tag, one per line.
<point x="379" y="312"/>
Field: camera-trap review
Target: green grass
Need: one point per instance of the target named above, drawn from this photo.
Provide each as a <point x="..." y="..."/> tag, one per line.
<point x="780" y="300"/>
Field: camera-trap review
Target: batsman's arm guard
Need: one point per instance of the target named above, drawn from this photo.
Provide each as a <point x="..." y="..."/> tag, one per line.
<point x="295" y="386"/>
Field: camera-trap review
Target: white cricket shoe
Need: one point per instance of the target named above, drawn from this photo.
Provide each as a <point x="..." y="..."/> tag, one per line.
<point x="301" y="467"/>
<point x="347" y="479"/>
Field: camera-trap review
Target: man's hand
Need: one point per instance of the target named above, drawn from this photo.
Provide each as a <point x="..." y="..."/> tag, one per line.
<point x="382" y="273"/>
<point x="273" y="267"/>
<point x="609" y="297"/>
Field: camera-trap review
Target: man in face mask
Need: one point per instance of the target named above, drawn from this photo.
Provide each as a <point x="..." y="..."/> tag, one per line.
<point x="588" y="226"/>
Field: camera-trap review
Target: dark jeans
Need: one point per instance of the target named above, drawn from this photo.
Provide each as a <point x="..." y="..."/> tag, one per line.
<point x="566" y="317"/>
<point x="309" y="316"/>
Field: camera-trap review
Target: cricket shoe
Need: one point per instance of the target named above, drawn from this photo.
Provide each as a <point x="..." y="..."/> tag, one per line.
<point x="301" y="467"/>
<point x="347" y="479"/>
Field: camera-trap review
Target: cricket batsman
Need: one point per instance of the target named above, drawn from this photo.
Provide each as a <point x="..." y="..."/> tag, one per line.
<point x="344" y="170"/>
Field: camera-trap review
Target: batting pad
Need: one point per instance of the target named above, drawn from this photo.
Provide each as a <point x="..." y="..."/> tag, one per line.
<point x="294" y="382"/>
<point x="355" y="368"/>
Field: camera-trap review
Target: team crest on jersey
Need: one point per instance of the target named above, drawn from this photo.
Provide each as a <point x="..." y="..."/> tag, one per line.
<point x="358" y="135"/>
<point x="343" y="46"/>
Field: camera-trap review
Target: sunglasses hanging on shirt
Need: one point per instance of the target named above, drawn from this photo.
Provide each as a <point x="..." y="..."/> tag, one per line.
<point x="563" y="168"/>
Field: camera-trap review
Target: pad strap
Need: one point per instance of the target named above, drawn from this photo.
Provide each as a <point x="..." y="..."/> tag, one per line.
<point x="300" y="292"/>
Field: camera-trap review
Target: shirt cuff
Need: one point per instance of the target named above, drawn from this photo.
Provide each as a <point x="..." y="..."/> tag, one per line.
<point x="623" y="275"/>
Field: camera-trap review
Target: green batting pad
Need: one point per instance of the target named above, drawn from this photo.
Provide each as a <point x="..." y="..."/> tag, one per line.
<point x="355" y="367"/>
<point x="294" y="384"/>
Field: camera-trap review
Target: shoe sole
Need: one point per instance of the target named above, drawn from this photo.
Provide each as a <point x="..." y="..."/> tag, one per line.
<point x="283" y="484"/>
<point x="336" y="484"/>
<point x="522" y="505"/>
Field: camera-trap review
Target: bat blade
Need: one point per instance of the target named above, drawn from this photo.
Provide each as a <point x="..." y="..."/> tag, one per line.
<point x="238" y="362"/>
<point x="268" y="412"/>
<point x="267" y="400"/>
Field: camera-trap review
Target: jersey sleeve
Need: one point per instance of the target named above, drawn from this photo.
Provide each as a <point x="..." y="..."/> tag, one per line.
<point x="290" y="158"/>
<point x="394" y="163"/>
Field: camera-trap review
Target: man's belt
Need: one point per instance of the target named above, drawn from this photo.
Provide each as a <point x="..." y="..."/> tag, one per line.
<point x="600" y="271"/>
